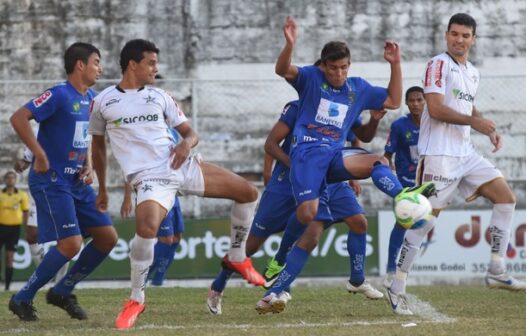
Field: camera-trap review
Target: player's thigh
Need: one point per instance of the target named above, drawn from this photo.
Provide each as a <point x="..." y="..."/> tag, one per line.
<point x="86" y="209"/>
<point x="148" y="217"/>
<point x="57" y="218"/>
<point x="446" y="173"/>
<point x="497" y="191"/>
<point x="222" y="183"/>
<point x="352" y="164"/>
<point x="482" y="178"/>
<point x="273" y="212"/>
<point x="11" y="238"/>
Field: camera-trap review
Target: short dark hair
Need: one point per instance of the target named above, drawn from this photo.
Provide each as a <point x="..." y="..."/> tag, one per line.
<point x="78" y="51"/>
<point x="464" y="20"/>
<point x="134" y="50"/>
<point x="413" y="89"/>
<point x="335" y="50"/>
<point x="9" y="172"/>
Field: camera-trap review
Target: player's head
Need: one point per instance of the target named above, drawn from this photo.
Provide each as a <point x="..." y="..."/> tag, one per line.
<point x="10" y="179"/>
<point x="335" y="61"/>
<point x="460" y="34"/>
<point x="85" y="59"/>
<point x="414" y="99"/>
<point x="140" y="58"/>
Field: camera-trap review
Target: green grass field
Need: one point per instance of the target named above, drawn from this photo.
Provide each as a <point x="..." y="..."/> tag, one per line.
<point x="441" y="310"/>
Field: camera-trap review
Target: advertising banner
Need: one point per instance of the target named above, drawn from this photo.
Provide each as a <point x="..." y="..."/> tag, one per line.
<point x="205" y="242"/>
<point x="459" y="244"/>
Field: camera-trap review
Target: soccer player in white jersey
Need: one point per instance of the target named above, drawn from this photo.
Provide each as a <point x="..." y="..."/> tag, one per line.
<point x="448" y="158"/>
<point x="137" y="119"/>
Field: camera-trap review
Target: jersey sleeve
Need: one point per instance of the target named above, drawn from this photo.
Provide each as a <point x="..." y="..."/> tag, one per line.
<point x="24" y="201"/>
<point x="304" y="73"/>
<point x="375" y="96"/>
<point x="97" y="123"/>
<point x="289" y="114"/>
<point x="45" y="105"/>
<point x="435" y="76"/>
<point x="173" y="114"/>
<point x="392" y="140"/>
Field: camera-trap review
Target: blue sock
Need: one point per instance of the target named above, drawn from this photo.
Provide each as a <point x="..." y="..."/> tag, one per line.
<point x="164" y="262"/>
<point x="296" y="260"/>
<point x="293" y="231"/>
<point x="52" y="262"/>
<point x="88" y="260"/>
<point x="356" y="244"/>
<point x="384" y="179"/>
<point x="395" y="243"/>
<point x="220" y="281"/>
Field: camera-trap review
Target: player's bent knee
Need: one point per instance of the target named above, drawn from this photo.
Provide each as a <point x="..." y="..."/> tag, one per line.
<point x="70" y="246"/>
<point x="357" y="224"/>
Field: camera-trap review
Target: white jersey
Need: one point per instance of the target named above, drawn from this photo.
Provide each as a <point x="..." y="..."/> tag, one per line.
<point x="458" y="83"/>
<point x="138" y="124"/>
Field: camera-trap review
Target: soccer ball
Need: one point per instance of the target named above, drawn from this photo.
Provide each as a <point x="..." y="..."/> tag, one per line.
<point x="412" y="210"/>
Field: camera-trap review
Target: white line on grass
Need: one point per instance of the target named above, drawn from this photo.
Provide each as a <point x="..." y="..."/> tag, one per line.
<point x="427" y="311"/>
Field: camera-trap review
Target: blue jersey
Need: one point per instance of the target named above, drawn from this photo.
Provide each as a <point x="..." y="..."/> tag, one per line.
<point x="327" y="113"/>
<point x="403" y="141"/>
<point x="279" y="181"/>
<point x="63" y="115"/>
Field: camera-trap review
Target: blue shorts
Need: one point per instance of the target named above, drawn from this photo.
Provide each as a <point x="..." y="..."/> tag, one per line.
<point x="308" y="170"/>
<point x="64" y="211"/>
<point x="337" y="171"/>
<point x="343" y="202"/>
<point x="273" y="213"/>
<point x="173" y="223"/>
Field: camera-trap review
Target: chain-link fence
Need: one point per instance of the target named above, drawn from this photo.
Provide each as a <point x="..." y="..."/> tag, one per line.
<point x="233" y="117"/>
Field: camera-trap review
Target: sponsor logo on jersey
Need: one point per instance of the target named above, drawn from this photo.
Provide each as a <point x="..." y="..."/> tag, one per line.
<point x="44" y="97"/>
<point x="70" y="170"/>
<point x="429" y="69"/>
<point x="463" y="95"/>
<point x="408" y="135"/>
<point x="112" y="101"/>
<point x="136" y="119"/>
<point x="81" y="138"/>
<point x="73" y="156"/>
<point x="331" y="113"/>
<point x="438" y="73"/>
<point x="439" y="178"/>
<point x="76" y="108"/>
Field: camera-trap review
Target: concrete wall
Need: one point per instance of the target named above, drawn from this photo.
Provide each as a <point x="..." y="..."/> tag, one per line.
<point x="211" y="43"/>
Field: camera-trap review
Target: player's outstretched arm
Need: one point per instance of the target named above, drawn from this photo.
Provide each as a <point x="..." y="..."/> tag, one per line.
<point x="98" y="152"/>
<point x="272" y="145"/>
<point x="20" y="122"/>
<point x="394" y="89"/>
<point x="284" y="67"/>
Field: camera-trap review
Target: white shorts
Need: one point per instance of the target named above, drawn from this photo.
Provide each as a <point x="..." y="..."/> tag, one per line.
<point x="161" y="184"/>
<point x="448" y="173"/>
<point x="32" y="213"/>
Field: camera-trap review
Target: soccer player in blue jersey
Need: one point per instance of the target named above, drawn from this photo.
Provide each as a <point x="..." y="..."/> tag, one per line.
<point x="59" y="182"/>
<point x="402" y="142"/>
<point x="329" y="104"/>
<point x="277" y="205"/>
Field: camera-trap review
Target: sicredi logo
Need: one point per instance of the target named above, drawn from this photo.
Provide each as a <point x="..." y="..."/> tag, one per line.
<point x="44" y="97"/>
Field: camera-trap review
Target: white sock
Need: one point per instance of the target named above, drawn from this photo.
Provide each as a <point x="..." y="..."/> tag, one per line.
<point x="412" y="242"/>
<point x="37" y="253"/>
<point x="240" y="220"/>
<point x="500" y="229"/>
<point x="141" y="257"/>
